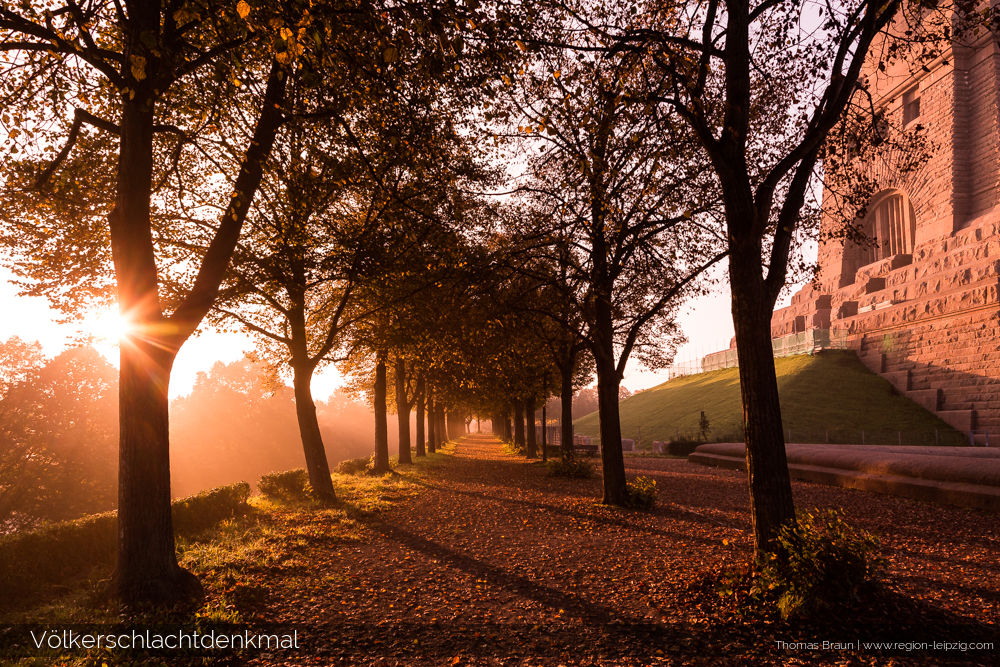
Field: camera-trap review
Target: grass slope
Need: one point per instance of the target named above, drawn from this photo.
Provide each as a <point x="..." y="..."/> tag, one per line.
<point x="826" y="396"/>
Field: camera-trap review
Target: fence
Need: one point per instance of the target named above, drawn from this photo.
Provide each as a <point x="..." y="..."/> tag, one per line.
<point x="805" y="342"/>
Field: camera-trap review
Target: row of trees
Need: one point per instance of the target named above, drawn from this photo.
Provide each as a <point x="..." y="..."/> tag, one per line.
<point x="318" y="174"/>
<point x="671" y="137"/>
<point x="179" y="114"/>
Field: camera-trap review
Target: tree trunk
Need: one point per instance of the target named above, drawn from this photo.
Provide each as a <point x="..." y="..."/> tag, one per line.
<point x="147" y="569"/>
<point x="431" y="425"/>
<point x="402" y="411"/>
<point x="508" y="429"/>
<point x="529" y="415"/>
<point x="421" y="449"/>
<point x="771" y="503"/>
<point x="519" y="425"/>
<point x="545" y="428"/>
<point x="147" y="565"/>
<point x="456" y="424"/>
<point x="566" y="415"/>
<point x="442" y="426"/>
<point x="612" y="460"/>
<point x="608" y="378"/>
<point x="381" y="423"/>
<point x="312" y="440"/>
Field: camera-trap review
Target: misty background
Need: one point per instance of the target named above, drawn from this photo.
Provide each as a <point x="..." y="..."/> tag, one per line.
<point x="59" y="425"/>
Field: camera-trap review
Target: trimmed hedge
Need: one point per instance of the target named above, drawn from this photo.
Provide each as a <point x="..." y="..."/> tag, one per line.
<point x="683" y="446"/>
<point x="197" y="513"/>
<point x="355" y="466"/>
<point x="287" y="485"/>
<point x="68" y="550"/>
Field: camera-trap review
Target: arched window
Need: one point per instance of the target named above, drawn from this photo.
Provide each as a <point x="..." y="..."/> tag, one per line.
<point x="890" y="224"/>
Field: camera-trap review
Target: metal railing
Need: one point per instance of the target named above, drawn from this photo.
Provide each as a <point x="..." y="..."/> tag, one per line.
<point x="805" y="342"/>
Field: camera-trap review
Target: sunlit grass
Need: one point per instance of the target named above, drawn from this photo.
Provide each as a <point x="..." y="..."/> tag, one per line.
<point x="238" y="558"/>
<point x="821" y="395"/>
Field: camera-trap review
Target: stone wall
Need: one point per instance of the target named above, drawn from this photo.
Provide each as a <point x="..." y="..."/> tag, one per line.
<point x="976" y="137"/>
<point x="927" y="320"/>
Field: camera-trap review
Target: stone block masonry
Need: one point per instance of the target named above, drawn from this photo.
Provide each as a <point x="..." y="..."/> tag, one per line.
<point x="920" y="302"/>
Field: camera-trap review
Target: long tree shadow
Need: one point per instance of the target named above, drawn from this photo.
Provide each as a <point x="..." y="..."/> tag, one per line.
<point x="590" y="629"/>
<point x="593" y="631"/>
<point x="604" y="519"/>
<point x="572" y="604"/>
<point x="475" y="474"/>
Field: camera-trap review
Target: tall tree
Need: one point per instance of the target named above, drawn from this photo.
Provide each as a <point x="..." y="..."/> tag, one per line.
<point x="403" y="403"/>
<point x="144" y="57"/>
<point x="320" y="237"/>
<point x="732" y="68"/>
<point x="421" y="399"/>
<point x="381" y="464"/>
<point x="620" y="183"/>
<point x="164" y="78"/>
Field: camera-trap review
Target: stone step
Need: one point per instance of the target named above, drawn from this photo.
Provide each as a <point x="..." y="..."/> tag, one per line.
<point x="931" y="399"/>
<point x="898" y="379"/>
<point x="962" y="420"/>
<point x="970" y="365"/>
<point x="979" y="242"/>
<point x="971" y="341"/>
<point x="962" y="399"/>
<point x="932" y="333"/>
<point x="954" y="399"/>
<point x="874" y="361"/>
<point x="986" y="438"/>
<point x="931" y="277"/>
<point x="913" y="310"/>
<point x="970" y="355"/>
<point x="923" y="281"/>
<point x="963" y="395"/>
<point x="946" y="378"/>
<point x="962" y="374"/>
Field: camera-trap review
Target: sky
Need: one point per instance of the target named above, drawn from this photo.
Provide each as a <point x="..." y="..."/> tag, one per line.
<point x="706" y="321"/>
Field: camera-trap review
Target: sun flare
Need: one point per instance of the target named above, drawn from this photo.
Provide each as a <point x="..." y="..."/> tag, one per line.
<point x="108" y="326"/>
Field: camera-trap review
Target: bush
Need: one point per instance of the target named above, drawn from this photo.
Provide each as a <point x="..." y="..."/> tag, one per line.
<point x="197" y="513"/>
<point x="575" y="467"/>
<point x="287" y="485"/>
<point x="682" y="446"/>
<point x="355" y="466"/>
<point x="514" y="449"/>
<point x="820" y="564"/>
<point x="71" y="550"/>
<point x="641" y="493"/>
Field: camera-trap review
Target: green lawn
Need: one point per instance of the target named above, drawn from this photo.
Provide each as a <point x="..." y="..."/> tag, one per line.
<point x="829" y="396"/>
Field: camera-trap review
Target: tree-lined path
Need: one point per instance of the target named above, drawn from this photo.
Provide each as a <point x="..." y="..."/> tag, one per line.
<point x="485" y="557"/>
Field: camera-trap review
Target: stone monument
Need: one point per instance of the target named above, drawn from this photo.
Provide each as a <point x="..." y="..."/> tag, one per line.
<point x="919" y="301"/>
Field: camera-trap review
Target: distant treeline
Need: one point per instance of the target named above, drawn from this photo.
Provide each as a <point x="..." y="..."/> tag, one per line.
<point x="59" y="432"/>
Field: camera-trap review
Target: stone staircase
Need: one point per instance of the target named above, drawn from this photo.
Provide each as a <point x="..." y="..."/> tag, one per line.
<point x="929" y="323"/>
<point x="949" y="400"/>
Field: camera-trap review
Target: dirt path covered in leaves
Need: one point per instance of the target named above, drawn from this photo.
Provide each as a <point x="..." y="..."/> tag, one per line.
<point x="491" y="560"/>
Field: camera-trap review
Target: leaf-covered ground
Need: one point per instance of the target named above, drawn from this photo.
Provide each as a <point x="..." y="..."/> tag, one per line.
<point x="485" y="559"/>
